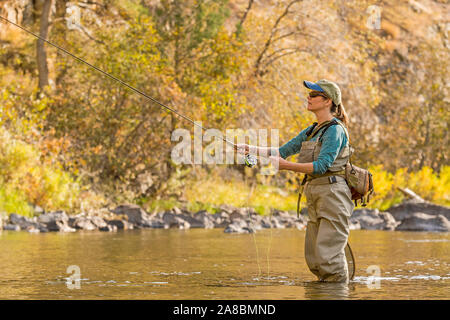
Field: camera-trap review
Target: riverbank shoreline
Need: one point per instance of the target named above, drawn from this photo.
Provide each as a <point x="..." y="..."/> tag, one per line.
<point x="410" y="215"/>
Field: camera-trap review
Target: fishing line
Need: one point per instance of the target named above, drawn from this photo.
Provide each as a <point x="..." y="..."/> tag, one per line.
<point x="112" y="77"/>
<point x="249" y="160"/>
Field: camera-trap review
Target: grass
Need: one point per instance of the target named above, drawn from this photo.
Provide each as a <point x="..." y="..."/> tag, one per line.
<point x="210" y="193"/>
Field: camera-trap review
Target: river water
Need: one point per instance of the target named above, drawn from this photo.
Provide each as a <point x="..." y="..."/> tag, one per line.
<point x="210" y="264"/>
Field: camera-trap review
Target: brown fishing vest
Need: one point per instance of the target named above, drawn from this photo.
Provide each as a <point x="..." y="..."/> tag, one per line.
<point x="310" y="151"/>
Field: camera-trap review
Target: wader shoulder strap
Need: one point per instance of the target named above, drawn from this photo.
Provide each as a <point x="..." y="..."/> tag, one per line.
<point x="315" y="129"/>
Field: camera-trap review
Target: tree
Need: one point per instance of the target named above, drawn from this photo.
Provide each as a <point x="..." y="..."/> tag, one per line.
<point x="41" y="55"/>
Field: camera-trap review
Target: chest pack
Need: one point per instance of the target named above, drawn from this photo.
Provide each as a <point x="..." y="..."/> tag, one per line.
<point x="358" y="179"/>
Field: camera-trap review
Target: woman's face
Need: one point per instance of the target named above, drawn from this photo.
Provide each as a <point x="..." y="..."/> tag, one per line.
<point x="318" y="102"/>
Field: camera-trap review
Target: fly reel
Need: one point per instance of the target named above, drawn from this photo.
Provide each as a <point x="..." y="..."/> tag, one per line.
<point x="250" y="160"/>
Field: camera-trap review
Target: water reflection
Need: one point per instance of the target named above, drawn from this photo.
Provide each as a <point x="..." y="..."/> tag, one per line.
<point x="318" y="290"/>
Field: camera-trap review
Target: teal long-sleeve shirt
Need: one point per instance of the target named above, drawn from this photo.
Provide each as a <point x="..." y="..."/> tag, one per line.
<point x="333" y="141"/>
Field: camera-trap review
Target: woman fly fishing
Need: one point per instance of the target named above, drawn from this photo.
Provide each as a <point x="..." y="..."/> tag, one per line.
<point x="324" y="151"/>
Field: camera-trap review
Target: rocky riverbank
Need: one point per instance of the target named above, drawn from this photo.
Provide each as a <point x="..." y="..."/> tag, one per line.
<point x="410" y="215"/>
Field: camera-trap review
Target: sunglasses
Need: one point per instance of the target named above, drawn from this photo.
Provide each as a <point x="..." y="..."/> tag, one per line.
<point x="313" y="94"/>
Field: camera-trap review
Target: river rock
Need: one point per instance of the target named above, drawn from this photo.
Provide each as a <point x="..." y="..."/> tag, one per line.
<point x="276" y="223"/>
<point x="176" y="210"/>
<point x="120" y="224"/>
<point x="236" y="215"/>
<point x="239" y="226"/>
<point x="172" y="220"/>
<point x="11" y="227"/>
<point x="221" y="219"/>
<point x="266" y="222"/>
<point x="26" y="223"/>
<point x="420" y="221"/>
<point x="50" y="217"/>
<point x="108" y="228"/>
<point x="296" y="223"/>
<point x="82" y="222"/>
<point x="373" y="219"/>
<point x="227" y="208"/>
<point x="408" y="207"/>
<point x="21" y="221"/>
<point x="135" y="214"/>
<point x="196" y="221"/>
<point x="98" y="222"/>
<point x="287" y="220"/>
<point x="153" y="222"/>
<point x="354" y="225"/>
<point x="254" y="221"/>
<point x="205" y="218"/>
<point x="56" y="221"/>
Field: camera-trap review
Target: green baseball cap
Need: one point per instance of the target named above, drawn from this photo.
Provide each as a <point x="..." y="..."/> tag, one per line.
<point x="330" y="88"/>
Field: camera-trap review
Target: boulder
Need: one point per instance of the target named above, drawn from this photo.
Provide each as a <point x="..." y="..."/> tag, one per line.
<point x="25" y="223"/>
<point x="108" y="228"/>
<point x="21" y="221"/>
<point x="153" y="221"/>
<point x="227" y="208"/>
<point x="280" y="213"/>
<point x="420" y="221"/>
<point x="276" y="223"/>
<point x="408" y="207"/>
<point x="239" y="226"/>
<point x="82" y="222"/>
<point x="135" y="214"/>
<point x="266" y="222"/>
<point x="242" y="213"/>
<point x="296" y="223"/>
<point x="237" y="215"/>
<point x="205" y="219"/>
<point x="56" y="221"/>
<point x="51" y="217"/>
<point x="254" y="222"/>
<point x="98" y="222"/>
<point x="11" y="227"/>
<point x="287" y="220"/>
<point x="220" y="219"/>
<point x="120" y="224"/>
<point x="33" y="229"/>
<point x="373" y="219"/>
<point x="172" y="220"/>
<point x="176" y="210"/>
<point x="354" y="225"/>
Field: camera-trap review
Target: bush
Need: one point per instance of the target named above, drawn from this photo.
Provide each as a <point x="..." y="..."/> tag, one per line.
<point x="25" y="179"/>
<point x="429" y="185"/>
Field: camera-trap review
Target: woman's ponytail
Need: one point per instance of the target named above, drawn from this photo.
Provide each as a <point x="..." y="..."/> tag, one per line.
<point x="339" y="112"/>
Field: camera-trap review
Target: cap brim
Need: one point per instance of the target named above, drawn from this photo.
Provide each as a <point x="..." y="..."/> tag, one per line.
<point x="312" y="86"/>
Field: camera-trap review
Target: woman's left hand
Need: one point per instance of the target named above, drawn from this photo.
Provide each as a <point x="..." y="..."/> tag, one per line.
<point x="278" y="162"/>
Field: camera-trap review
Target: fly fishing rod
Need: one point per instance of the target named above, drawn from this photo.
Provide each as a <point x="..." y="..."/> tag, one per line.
<point x="250" y="160"/>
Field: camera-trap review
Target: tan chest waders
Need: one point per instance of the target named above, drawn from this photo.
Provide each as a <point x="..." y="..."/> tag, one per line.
<point x="329" y="202"/>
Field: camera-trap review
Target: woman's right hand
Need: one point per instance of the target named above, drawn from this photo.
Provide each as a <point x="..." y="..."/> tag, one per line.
<point x="242" y="148"/>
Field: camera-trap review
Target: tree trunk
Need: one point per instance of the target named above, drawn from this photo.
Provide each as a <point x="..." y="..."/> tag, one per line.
<point x="41" y="55"/>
